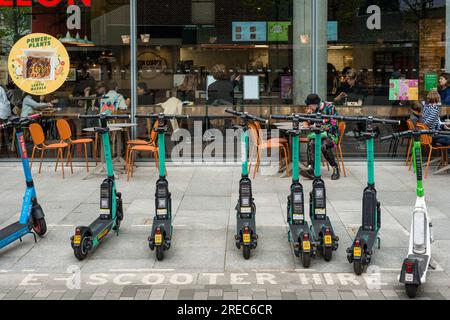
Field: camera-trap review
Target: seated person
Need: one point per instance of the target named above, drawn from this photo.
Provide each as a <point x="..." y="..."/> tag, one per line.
<point x="416" y="113"/>
<point x="5" y="106"/>
<point x="144" y="96"/>
<point x="329" y="138"/>
<point x="221" y="92"/>
<point x="113" y="101"/>
<point x="350" y="90"/>
<point x="30" y="106"/>
<point x="431" y="118"/>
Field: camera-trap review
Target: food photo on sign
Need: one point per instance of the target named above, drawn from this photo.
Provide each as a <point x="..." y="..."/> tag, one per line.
<point x="39" y="64"/>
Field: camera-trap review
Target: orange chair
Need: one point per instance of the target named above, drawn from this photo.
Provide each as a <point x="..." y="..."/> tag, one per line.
<point x="65" y="134"/>
<point x="427" y="141"/>
<point x="339" y="154"/>
<point x="150" y="147"/>
<point x="133" y="143"/>
<point x="256" y="138"/>
<point x="37" y="134"/>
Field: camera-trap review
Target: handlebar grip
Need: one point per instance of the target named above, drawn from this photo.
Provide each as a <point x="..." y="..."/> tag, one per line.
<point x="88" y="116"/>
<point x="386" y="121"/>
<point x="390" y="137"/>
<point x="280" y="117"/>
<point x="230" y="111"/>
<point x="156" y="116"/>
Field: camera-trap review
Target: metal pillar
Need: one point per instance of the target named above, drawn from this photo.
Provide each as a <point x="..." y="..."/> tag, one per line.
<point x="133" y="62"/>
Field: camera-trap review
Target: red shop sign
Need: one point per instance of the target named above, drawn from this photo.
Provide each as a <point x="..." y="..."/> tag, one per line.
<point x="45" y="3"/>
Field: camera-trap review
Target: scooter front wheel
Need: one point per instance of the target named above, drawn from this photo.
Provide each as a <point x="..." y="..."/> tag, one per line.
<point x="411" y="290"/>
<point x="246" y="252"/>
<point x="40" y="227"/>
<point x="159" y="253"/>
<point x="358" y="267"/>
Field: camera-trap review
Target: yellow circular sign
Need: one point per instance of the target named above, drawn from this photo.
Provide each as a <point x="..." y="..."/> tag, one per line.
<point x="38" y="64"/>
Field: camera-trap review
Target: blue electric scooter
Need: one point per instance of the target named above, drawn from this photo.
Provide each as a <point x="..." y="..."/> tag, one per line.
<point x="32" y="219"/>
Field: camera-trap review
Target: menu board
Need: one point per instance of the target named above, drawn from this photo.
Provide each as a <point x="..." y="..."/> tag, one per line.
<point x="332" y="31"/>
<point x="403" y="90"/>
<point x="249" y="31"/>
<point x="286" y="85"/>
<point x="278" y="31"/>
<point x="38" y="64"/>
<point x="251" y="87"/>
<point x="431" y="82"/>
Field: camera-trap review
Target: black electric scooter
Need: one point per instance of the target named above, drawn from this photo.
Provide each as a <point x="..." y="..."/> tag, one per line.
<point x="111" y="211"/>
<point x="246" y="236"/>
<point x="160" y="238"/>
<point x="361" y="251"/>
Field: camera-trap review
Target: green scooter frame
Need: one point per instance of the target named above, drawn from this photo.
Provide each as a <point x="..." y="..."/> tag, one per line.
<point x="161" y="235"/>
<point x="246" y="236"/>
<point x="88" y="238"/>
<point x="299" y="231"/>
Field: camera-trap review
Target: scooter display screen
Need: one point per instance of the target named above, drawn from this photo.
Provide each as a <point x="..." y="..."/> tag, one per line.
<point x="298" y="204"/>
<point x="161" y="203"/>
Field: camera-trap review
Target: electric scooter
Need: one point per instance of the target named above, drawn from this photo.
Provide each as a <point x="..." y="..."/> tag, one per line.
<point x="88" y="238"/>
<point x="160" y="238"/>
<point x="321" y="228"/>
<point x="299" y="231"/>
<point x="415" y="266"/>
<point x="246" y="236"/>
<point x="361" y="251"/>
<point x="32" y="220"/>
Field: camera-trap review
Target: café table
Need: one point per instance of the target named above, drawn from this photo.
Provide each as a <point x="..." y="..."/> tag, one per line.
<point x="119" y="160"/>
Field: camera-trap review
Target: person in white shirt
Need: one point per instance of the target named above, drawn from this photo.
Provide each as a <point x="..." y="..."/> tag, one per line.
<point x="5" y="106"/>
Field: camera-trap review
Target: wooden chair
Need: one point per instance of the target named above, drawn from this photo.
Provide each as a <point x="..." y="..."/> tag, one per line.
<point x="427" y="141"/>
<point x="150" y="147"/>
<point x="65" y="134"/>
<point x="339" y="154"/>
<point x="257" y="139"/>
<point x="37" y="134"/>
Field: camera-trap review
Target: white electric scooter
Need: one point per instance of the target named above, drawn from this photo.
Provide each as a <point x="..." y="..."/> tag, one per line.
<point x="415" y="266"/>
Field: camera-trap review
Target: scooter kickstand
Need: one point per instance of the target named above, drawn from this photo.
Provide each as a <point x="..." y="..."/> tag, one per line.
<point x="432" y="265"/>
<point x="379" y="243"/>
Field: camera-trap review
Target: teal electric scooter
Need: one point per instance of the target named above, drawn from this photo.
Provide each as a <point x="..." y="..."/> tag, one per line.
<point x="361" y="251"/>
<point x="246" y="236"/>
<point x="160" y="238"/>
<point x="88" y="238"/>
<point x="299" y="232"/>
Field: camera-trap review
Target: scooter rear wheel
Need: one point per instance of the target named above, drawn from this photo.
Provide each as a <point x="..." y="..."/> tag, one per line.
<point x="40" y="227"/>
<point x="246" y="252"/>
<point x="358" y="267"/>
<point x="327" y="253"/>
<point x="159" y="253"/>
<point x="81" y="252"/>
<point x="306" y="259"/>
<point x="411" y="290"/>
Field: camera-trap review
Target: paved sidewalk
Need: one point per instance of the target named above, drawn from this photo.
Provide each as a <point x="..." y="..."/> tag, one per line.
<point x="204" y="262"/>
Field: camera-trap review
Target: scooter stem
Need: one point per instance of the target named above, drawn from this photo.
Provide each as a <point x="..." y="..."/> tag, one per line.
<point x="295" y="158"/>
<point x="370" y="162"/>
<point x="318" y="153"/>
<point x="417" y="160"/>
<point x="161" y="154"/>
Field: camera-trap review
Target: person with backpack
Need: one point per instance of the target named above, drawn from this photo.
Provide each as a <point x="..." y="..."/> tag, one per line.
<point x="112" y="101"/>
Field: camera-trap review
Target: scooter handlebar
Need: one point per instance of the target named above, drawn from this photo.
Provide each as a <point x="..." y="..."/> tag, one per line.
<point x="410" y="133"/>
<point x="246" y="115"/>
<point x="361" y="119"/>
<point x="16" y="121"/>
<point x="156" y="116"/>
<point x="298" y="116"/>
<point x="108" y="117"/>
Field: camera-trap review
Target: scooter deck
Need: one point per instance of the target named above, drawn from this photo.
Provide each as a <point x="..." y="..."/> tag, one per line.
<point x="369" y="237"/>
<point x="12" y="233"/>
<point x="99" y="225"/>
<point x="297" y="229"/>
<point x="319" y="224"/>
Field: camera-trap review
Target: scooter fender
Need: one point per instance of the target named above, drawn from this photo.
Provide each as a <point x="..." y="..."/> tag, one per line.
<point x="415" y="277"/>
<point x="37" y="212"/>
<point x="83" y="230"/>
